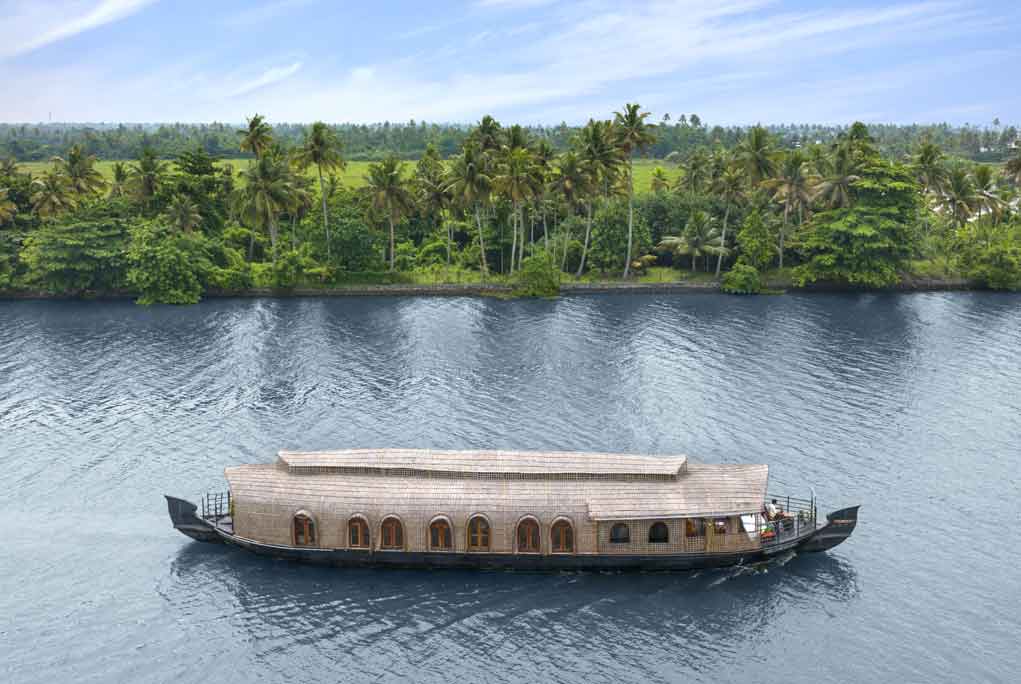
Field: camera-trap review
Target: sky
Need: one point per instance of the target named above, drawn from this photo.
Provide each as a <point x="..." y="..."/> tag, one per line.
<point x="524" y="61"/>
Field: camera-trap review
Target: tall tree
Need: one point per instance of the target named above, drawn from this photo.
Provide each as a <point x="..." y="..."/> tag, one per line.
<point x="729" y="187"/>
<point x="793" y="187"/>
<point x="572" y="182"/>
<point x="83" y="179"/>
<point x="147" y="176"/>
<point x="755" y="155"/>
<point x="50" y="196"/>
<point x="987" y="194"/>
<point x="265" y="193"/>
<point x="8" y="209"/>
<point x="633" y="135"/>
<point x="183" y="215"/>
<point x="119" y="185"/>
<point x="834" y="189"/>
<point x="601" y="161"/>
<point x="929" y="167"/>
<point x="257" y="137"/>
<point x="659" y="181"/>
<point x="958" y="196"/>
<point x="389" y="192"/>
<point x="518" y="180"/>
<point x="321" y="149"/>
<point x="471" y="182"/>
<point x="1013" y="168"/>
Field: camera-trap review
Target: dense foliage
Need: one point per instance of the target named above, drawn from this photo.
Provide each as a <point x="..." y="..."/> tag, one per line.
<point x="526" y="207"/>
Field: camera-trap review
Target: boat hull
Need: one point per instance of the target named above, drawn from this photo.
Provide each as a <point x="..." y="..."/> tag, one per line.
<point x="839" y="526"/>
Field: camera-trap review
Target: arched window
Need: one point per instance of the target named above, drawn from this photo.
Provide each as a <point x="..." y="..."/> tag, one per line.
<point x="304" y="530"/>
<point x="620" y="534"/>
<point x="358" y="533"/>
<point x="562" y="537"/>
<point x="478" y="534"/>
<point x="528" y="536"/>
<point x="393" y="534"/>
<point x="440" y="536"/>
<point x="659" y="533"/>
<point x="694" y="527"/>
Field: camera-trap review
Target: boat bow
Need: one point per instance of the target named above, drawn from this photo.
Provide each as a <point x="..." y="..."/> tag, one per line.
<point x="839" y="526"/>
<point x="185" y="521"/>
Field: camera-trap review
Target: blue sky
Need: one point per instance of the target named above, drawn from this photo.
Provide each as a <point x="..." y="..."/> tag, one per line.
<point x="528" y="61"/>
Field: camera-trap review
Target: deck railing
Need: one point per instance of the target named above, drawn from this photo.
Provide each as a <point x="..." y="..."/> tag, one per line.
<point x="216" y="505"/>
<point x="799" y="518"/>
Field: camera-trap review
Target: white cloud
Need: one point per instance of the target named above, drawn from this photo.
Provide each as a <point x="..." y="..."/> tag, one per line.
<point x="268" y="77"/>
<point x="28" y="26"/>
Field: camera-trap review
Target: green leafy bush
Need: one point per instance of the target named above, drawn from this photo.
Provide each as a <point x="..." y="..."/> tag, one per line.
<point x="742" y="279"/>
<point x="167" y="267"/>
<point x="538" y="277"/>
<point x="75" y="256"/>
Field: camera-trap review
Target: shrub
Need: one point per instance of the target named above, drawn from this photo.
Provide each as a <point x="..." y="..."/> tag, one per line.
<point x="538" y="277"/>
<point x="166" y="267"/>
<point x="742" y="279"/>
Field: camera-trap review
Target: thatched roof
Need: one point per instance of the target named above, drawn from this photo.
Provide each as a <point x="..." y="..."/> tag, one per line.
<point x="421" y="484"/>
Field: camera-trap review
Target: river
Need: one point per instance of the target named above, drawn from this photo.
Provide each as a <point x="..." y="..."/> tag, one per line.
<point x="909" y="404"/>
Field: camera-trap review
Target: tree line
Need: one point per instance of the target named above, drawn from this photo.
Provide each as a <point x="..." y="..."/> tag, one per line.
<point x="677" y="135"/>
<point x="508" y="207"/>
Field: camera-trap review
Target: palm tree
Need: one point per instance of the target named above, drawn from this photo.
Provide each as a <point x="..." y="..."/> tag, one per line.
<point x="487" y="135"/>
<point x="389" y="192"/>
<point x="544" y="156"/>
<point x="987" y="193"/>
<point x="696" y="170"/>
<point x="8" y="167"/>
<point x="958" y="196"/>
<point x="434" y="198"/>
<point x="571" y="181"/>
<point x="519" y="181"/>
<point x="699" y="239"/>
<point x="257" y="137"/>
<point x="660" y="182"/>
<point x="929" y="167"/>
<point x="264" y="195"/>
<point x="50" y="196"/>
<point x="470" y="183"/>
<point x="1013" y="168"/>
<point x="119" y="186"/>
<point x="147" y="176"/>
<point x="183" y="215"/>
<point x="633" y="135"/>
<point x="793" y="187"/>
<point x="755" y="155"/>
<point x="8" y="209"/>
<point x="601" y="160"/>
<point x="834" y="188"/>
<point x="83" y="179"/>
<point x="322" y="149"/>
<point x="730" y="189"/>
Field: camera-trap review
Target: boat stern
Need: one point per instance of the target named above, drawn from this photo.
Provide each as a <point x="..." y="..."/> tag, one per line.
<point x="185" y="521"/>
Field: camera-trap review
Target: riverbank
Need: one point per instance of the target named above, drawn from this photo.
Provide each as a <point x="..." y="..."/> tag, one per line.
<point x="907" y="284"/>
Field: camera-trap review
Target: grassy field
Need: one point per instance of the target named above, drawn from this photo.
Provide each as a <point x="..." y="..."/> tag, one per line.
<point x="354" y="174"/>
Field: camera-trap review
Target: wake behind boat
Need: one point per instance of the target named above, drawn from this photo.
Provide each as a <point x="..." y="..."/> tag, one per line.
<point x="507" y="509"/>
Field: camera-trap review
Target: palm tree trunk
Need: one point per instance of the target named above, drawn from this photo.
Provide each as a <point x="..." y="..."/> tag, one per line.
<point x="273" y="237"/>
<point x="514" y="236"/>
<point x="563" y="257"/>
<point x="723" y="241"/>
<point x="482" y="242"/>
<point x="326" y="220"/>
<point x="584" y="247"/>
<point x="450" y="240"/>
<point x="391" y="241"/>
<point x="783" y="229"/>
<point x="545" y="230"/>
<point x="630" y="213"/>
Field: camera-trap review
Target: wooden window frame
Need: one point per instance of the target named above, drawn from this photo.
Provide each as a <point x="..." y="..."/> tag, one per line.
<point x="534" y="536"/>
<point x="694" y="528"/>
<point x="627" y="529"/>
<point x="658" y="524"/>
<point x="365" y="540"/>
<point x="556" y="541"/>
<point x="311" y="533"/>
<point x="487" y="534"/>
<point x="448" y="535"/>
<point x="391" y="534"/>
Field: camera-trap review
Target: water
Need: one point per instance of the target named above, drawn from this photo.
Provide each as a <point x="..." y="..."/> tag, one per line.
<point x="907" y="404"/>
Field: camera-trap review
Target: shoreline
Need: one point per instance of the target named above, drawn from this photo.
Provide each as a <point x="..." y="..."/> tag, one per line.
<point x="908" y="284"/>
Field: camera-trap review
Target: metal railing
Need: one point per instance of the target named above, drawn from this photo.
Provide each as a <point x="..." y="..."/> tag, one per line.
<point x="799" y="517"/>
<point x="216" y="505"/>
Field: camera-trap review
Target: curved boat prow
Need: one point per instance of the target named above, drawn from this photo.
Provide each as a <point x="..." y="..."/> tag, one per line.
<point x="839" y="526"/>
<point x="182" y="515"/>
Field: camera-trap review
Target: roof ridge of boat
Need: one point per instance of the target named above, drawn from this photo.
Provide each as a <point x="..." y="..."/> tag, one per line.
<point x="493" y="463"/>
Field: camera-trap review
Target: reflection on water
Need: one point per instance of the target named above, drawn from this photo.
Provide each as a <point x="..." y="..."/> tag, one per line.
<point x="906" y="404"/>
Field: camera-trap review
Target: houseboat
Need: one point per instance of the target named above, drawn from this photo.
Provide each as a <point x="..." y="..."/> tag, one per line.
<point x="507" y="509"/>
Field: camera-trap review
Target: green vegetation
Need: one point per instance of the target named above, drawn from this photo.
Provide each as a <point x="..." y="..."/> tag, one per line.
<point x="507" y="208"/>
